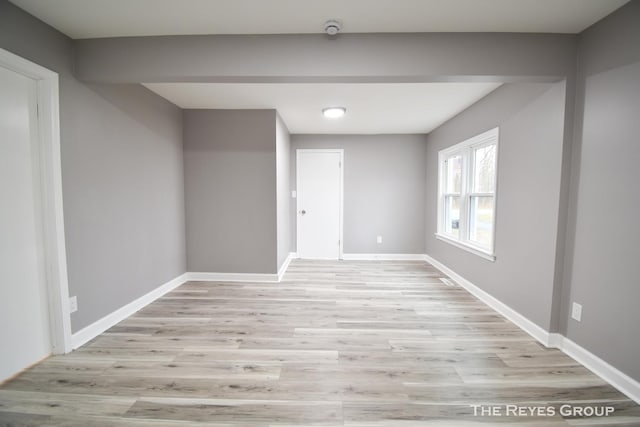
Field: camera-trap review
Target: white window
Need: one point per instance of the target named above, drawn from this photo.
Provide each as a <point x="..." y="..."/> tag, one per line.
<point x="467" y="193"/>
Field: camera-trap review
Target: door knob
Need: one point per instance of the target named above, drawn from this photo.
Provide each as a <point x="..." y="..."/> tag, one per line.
<point x="303" y="212"/>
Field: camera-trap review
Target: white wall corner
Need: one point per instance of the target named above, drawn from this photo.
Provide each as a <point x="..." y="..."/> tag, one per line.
<point x="88" y="333"/>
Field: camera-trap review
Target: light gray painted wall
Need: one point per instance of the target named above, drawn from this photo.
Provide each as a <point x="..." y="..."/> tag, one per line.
<point x="384" y="190"/>
<point x="530" y="117"/>
<point x="283" y="171"/>
<point x="602" y="255"/>
<point x="230" y="190"/>
<point x="304" y="58"/>
<point x="122" y="177"/>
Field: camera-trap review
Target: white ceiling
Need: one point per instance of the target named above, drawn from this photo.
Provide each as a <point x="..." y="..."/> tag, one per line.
<point x="371" y="108"/>
<point x="115" y="18"/>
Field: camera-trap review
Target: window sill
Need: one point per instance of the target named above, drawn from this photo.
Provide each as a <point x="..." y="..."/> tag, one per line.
<point x="482" y="254"/>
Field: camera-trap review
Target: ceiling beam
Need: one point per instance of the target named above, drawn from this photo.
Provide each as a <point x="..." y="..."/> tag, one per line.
<point x="315" y="58"/>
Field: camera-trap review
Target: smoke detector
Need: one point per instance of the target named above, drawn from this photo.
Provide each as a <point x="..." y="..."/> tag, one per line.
<point x="332" y="27"/>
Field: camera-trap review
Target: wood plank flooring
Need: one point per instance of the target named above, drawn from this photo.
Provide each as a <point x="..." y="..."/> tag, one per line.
<point x="358" y="344"/>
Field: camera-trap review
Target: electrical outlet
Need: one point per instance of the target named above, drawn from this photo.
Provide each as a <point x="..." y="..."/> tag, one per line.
<point x="379" y="239"/>
<point x="576" y="311"/>
<point x="294" y="194"/>
<point x="73" y="304"/>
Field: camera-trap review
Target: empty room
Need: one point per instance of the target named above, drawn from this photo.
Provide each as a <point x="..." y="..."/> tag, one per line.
<point x="359" y="213"/>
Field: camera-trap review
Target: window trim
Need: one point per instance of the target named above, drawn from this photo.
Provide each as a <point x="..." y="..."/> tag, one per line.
<point x="465" y="149"/>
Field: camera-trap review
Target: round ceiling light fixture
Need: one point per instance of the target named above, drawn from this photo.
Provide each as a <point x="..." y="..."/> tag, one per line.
<point x="334" y="112"/>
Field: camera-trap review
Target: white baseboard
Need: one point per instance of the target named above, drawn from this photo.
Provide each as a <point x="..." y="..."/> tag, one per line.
<point x="242" y="277"/>
<point x="88" y="333"/>
<point x="522" y="322"/>
<point x="232" y="277"/>
<point x="285" y="265"/>
<point x="604" y="370"/>
<point x="555" y="340"/>
<point x="383" y="257"/>
<point x="615" y="377"/>
<point x="612" y="375"/>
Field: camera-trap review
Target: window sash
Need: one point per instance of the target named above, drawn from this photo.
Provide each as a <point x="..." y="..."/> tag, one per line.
<point x="477" y="226"/>
<point x="447" y="184"/>
<point x="472" y="164"/>
<point x="451" y="226"/>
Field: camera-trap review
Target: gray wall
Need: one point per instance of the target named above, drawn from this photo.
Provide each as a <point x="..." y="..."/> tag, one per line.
<point x="283" y="196"/>
<point x="602" y="256"/>
<point x="122" y="177"/>
<point x="303" y="58"/>
<point x="230" y="190"/>
<point x="384" y="188"/>
<point x="531" y="118"/>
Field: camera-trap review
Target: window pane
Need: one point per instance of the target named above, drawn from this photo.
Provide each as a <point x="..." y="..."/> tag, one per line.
<point x="484" y="179"/>
<point x="454" y="174"/>
<point x="481" y="220"/>
<point x="452" y="215"/>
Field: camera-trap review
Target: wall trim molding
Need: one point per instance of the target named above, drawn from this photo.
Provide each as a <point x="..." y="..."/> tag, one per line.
<point x="231" y="277"/>
<point x="601" y="368"/>
<point x="555" y="340"/>
<point x="88" y="333"/>
<point x="285" y="265"/>
<point x="615" y="377"/>
<point x="50" y="195"/>
<point x="522" y="322"/>
<point x="382" y="257"/>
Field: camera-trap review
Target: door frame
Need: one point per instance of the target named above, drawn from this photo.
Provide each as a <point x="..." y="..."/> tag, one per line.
<point x="53" y="237"/>
<point x="340" y="151"/>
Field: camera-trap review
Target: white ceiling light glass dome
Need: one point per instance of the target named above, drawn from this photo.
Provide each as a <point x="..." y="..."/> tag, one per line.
<point x="334" y="112"/>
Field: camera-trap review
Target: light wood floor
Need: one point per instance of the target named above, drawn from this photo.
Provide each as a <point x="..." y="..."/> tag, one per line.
<point x="360" y="344"/>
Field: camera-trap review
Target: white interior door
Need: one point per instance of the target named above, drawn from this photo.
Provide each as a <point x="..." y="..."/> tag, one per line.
<point x="319" y="186"/>
<point x="25" y="335"/>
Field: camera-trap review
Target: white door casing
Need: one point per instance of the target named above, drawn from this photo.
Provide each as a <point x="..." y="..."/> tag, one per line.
<point x="32" y="211"/>
<point x="24" y="313"/>
<point x="319" y="182"/>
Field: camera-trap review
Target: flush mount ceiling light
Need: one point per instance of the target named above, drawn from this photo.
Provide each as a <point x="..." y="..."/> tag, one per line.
<point x="334" y="112"/>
